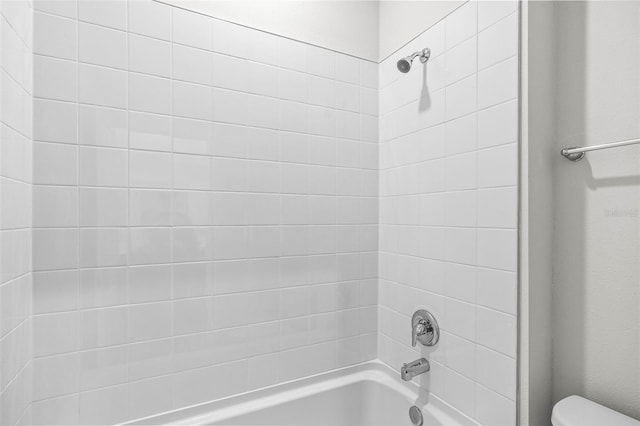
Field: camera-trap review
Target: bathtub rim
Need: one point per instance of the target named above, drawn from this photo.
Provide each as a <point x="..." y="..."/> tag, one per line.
<point x="256" y="399"/>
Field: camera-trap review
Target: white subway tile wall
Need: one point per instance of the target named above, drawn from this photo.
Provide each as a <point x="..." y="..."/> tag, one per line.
<point x="191" y="209"/>
<point x="448" y="207"/>
<point x="16" y="147"/>
<point x="205" y="210"/>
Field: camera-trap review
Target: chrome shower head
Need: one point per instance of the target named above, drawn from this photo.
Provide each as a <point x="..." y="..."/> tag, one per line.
<point x="404" y="64"/>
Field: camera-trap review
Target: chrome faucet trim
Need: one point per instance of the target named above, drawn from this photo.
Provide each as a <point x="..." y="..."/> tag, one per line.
<point x="424" y="328"/>
<point x="417" y="367"/>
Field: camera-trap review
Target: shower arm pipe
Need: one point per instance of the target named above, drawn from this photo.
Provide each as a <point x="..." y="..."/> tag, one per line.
<point x="577" y="153"/>
<point x="425" y="53"/>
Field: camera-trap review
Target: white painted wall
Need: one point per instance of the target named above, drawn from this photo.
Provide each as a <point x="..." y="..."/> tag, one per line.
<point x="350" y="27"/>
<point x="401" y="21"/>
<point x="368" y="29"/>
<point x="538" y="156"/>
<point x="596" y="330"/>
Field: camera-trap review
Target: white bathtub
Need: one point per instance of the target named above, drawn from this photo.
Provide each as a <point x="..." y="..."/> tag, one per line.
<point x="368" y="394"/>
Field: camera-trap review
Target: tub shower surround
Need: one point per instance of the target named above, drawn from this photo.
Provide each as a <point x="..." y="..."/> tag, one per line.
<point x="205" y="210"/>
<point x="448" y="207"/>
<point x="15" y="211"/>
<point x="192" y="209"/>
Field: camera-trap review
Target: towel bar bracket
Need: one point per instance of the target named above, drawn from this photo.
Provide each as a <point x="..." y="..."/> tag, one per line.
<point x="573" y="156"/>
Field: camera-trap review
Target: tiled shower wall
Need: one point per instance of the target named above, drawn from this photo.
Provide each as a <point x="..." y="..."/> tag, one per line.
<point x="15" y="210"/>
<point x="205" y="210"/>
<point x="448" y="207"/>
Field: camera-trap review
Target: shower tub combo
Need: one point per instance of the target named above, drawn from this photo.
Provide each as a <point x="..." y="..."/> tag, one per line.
<point x="368" y="394"/>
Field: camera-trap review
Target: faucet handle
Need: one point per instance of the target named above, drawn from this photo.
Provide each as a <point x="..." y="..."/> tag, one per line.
<point x="424" y="328"/>
<point x="420" y="328"/>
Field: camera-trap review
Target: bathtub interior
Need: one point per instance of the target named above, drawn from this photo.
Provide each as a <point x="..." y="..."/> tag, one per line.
<point x="357" y="404"/>
<point x="368" y="394"/>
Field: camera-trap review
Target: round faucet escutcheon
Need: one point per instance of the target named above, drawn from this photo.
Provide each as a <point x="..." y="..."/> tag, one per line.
<point x="424" y="328"/>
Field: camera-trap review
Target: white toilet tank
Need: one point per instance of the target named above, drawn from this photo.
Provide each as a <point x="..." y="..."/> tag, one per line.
<point x="577" y="411"/>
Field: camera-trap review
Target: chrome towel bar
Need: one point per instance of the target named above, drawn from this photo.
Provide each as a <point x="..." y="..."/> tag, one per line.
<point x="577" y="153"/>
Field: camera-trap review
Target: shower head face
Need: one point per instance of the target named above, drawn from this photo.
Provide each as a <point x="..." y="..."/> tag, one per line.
<point x="404" y="64"/>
